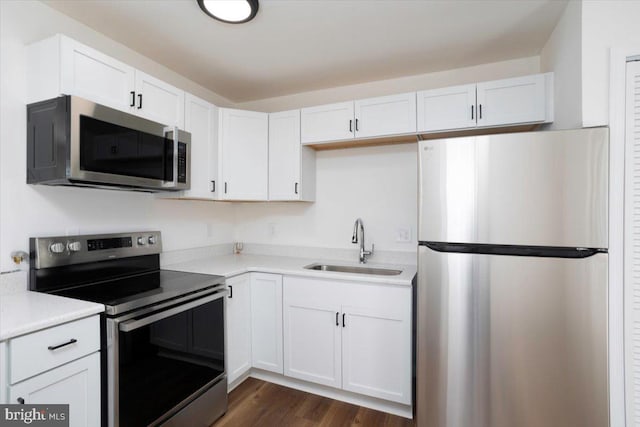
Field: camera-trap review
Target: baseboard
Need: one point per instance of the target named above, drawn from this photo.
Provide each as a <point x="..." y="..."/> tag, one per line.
<point x="398" y="409"/>
<point x="238" y="381"/>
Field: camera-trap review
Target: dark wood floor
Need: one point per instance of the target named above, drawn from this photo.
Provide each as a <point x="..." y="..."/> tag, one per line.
<point x="259" y="403"/>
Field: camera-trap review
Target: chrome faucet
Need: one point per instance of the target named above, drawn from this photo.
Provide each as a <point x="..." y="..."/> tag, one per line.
<point x="358" y="236"/>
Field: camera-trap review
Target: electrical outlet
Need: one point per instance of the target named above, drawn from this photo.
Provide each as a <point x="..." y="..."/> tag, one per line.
<point x="272" y="229"/>
<point x="403" y="234"/>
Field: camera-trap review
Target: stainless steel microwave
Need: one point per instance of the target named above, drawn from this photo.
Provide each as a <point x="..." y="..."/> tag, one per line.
<point x="73" y="141"/>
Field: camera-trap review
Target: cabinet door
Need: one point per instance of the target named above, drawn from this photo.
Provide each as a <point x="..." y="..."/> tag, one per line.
<point x="238" y="333"/>
<point x="76" y="383"/>
<point x="447" y="108"/>
<point x="312" y="345"/>
<point x="386" y="115"/>
<point x="266" y="322"/>
<point x="158" y="101"/>
<point x="511" y="101"/>
<point x="284" y="155"/>
<point x="376" y="342"/>
<point x="87" y="73"/>
<point x="199" y="121"/>
<point x="244" y="143"/>
<point x="327" y="123"/>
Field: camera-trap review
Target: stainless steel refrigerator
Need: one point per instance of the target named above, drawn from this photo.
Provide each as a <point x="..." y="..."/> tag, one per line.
<point x="512" y="280"/>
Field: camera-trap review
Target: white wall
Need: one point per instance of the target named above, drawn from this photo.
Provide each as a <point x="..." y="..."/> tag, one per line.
<point x="378" y="184"/>
<point x="38" y="210"/>
<point x="605" y="24"/>
<point x="562" y="54"/>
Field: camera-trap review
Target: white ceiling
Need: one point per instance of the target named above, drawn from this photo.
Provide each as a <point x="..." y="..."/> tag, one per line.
<point x="300" y="45"/>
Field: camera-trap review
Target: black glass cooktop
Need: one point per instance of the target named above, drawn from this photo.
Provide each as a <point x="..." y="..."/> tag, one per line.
<point x="128" y="293"/>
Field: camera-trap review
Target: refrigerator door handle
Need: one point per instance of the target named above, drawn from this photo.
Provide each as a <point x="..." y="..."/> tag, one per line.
<point x="513" y="250"/>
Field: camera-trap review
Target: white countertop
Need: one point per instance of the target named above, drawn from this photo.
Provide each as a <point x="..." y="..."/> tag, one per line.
<point x="23" y="312"/>
<point x="233" y="265"/>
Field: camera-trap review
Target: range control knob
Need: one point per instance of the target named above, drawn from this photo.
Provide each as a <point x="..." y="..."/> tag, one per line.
<point x="74" y="246"/>
<point x="57" y="248"/>
<point x="152" y="240"/>
<point x="141" y="241"/>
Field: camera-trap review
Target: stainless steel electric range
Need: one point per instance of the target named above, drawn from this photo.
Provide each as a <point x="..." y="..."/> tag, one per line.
<point x="163" y="331"/>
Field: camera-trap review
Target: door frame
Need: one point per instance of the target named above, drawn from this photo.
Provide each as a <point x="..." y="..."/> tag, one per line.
<point x="617" y="126"/>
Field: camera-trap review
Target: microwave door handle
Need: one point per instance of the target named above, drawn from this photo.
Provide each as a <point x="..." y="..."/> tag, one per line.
<point x="133" y="324"/>
<point x="172" y="133"/>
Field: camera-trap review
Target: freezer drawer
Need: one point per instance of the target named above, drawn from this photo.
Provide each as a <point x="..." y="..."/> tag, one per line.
<point x="509" y="341"/>
<point x="536" y="188"/>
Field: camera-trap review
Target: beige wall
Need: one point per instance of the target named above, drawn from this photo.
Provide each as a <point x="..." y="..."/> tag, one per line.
<point x="478" y="73"/>
<point x="562" y="54"/>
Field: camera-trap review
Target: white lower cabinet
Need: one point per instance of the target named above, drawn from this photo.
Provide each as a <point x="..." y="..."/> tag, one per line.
<point x="312" y="331"/>
<point x="76" y="384"/>
<point x="266" y="322"/>
<point x="349" y="335"/>
<point x="58" y="365"/>
<point x="376" y="342"/>
<point x="238" y="326"/>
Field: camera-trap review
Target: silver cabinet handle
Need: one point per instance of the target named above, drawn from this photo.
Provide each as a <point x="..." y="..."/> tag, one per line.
<point x="64" y="344"/>
<point x="133" y="324"/>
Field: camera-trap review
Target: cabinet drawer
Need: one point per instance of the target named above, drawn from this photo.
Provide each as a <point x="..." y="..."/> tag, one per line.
<point x="31" y="354"/>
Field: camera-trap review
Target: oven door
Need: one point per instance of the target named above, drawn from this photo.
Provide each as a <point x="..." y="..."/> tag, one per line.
<point x="163" y="360"/>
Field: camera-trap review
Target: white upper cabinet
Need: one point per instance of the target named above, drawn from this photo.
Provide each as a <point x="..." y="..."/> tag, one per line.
<point x="512" y="101"/>
<point x="62" y="66"/>
<point x="199" y="120"/>
<point x="243" y="143"/>
<point x="386" y="115"/>
<point x="331" y="122"/>
<point x="159" y="101"/>
<point x="507" y="102"/>
<point x="59" y="65"/>
<point x="291" y="166"/>
<point x="365" y="118"/>
<point x="90" y="74"/>
<point x="447" y="108"/>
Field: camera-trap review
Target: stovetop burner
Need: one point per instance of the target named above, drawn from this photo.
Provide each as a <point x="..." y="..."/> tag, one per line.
<point x="129" y="293"/>
<point x="121" y="271"/>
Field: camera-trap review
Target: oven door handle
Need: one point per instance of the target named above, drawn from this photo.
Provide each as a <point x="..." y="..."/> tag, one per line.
<point x="133" y="324"/>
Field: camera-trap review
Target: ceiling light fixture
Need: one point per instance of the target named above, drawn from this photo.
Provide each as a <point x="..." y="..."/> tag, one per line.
<point x="230" y="11"/>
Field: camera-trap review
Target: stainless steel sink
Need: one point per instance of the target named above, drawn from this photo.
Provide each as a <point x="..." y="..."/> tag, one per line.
<point x="349" y="269"/>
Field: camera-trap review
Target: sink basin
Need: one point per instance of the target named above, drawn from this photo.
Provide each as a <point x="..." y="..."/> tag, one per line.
<point x="349" y="269"/>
